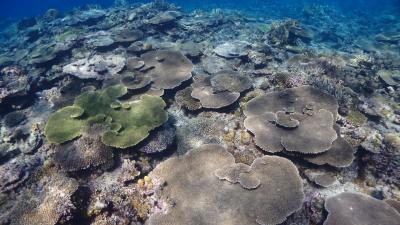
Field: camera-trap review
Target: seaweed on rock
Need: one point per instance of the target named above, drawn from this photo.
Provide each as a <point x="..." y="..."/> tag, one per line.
<point x="127" y="125"/>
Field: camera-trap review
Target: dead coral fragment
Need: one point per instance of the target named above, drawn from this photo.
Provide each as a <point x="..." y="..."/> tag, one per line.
<point x="359" y="209"/>
<point x="200" y="197"/>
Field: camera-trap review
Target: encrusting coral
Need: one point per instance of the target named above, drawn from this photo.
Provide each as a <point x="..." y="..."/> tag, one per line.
<point x="127" y="123"/>
<point x="201" y="186"/>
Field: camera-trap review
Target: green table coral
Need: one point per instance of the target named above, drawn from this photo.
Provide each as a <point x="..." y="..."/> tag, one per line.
<point x="127" y="125"/>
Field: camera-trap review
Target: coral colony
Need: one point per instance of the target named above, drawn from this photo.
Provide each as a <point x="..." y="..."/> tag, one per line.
<point x="150" y="114"/>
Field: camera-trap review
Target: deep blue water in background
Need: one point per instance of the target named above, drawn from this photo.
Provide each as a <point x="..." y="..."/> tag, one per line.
<point x="16" y="9"/>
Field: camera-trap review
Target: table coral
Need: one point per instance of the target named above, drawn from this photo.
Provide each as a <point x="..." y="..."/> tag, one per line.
<point x="199" y="196"/>
<point x="127" y="125"/>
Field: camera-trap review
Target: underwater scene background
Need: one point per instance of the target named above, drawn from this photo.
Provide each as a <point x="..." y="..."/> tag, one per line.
<point x="200" y="112"/>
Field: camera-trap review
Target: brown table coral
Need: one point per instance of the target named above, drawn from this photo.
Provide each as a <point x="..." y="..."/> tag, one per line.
<point x="206" y="187"/>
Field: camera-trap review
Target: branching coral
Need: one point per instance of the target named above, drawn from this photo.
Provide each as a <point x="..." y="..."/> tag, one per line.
<point x="127" y="123"/>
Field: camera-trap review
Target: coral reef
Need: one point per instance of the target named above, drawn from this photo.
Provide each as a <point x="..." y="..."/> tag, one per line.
<point x="85" y="152"/>
<point x="168" y="69"/>
<point x="127" y="124"/>
<point x="354" y="209"/>
<point x="200" y="188"/>
<point x="305" y="110"/>
<point x="153" y="113"/>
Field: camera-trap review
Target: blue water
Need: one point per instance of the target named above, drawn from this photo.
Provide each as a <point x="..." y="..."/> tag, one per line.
<point x="16" y="9"/>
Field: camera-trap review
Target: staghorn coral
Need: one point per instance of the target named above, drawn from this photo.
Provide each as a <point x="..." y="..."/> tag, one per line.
<point x="358" y="209"/>
<point x="127" y="125"/>
<point x="200" y="197"/>
<point x="344" y="95"/>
